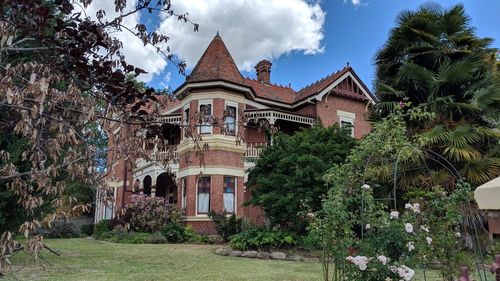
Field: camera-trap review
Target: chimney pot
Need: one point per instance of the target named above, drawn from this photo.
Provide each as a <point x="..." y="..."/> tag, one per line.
<point x="263" y="69"/>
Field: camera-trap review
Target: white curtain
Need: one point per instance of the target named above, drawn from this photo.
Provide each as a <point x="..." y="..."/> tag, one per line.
<point x="230" y="125"/>
<point x="203" y="202"/>
<point x="229" y="202"/>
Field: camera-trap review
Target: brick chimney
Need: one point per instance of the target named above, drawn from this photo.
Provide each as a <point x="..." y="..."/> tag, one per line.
<point x="263" y="69"/>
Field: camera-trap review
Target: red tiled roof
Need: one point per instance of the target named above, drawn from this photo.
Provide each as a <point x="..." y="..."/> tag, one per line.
<point x="270" y="91"/>
<point x="320" y="85"/>
<point x="216" y="63"/>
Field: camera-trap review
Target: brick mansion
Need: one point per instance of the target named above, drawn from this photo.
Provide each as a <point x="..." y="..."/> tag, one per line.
<point x="215" y="86"/>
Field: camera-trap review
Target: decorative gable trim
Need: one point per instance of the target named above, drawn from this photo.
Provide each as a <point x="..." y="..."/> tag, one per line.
<point x="332" y="86"/>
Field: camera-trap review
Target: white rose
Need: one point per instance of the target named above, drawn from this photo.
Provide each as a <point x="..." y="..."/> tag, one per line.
<point x="382" y="259"/>
<point x="365" y="186"/>
<point x="429" y="240"/>
<point x="411" y="246"/>
<point x="367" y="226"/>
<point x="394" y="215"/>
<point x="408" y="227"/>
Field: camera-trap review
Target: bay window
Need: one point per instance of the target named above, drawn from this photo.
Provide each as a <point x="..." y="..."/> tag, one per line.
<point x="230" y="120"/>
<point x="229" y="194"/>
<point x="184" y="192"/>
<point x="205" y="117"/>
<point x="203" y="195"/>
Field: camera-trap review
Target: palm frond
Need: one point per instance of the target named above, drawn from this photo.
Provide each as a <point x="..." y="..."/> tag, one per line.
<point x="479" y="171"/>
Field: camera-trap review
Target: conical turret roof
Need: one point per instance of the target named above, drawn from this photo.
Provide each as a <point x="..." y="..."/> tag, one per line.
<point x="216" y="63"/>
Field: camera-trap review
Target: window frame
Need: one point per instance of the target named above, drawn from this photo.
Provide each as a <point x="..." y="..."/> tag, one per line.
<point x="234" y="194"/>
<point x="184" y="193"/>
<point x="235" y="105"/>
<point x="201" y="124"/>
<point x="198" y="193"/>
<point x="347" y="117"/>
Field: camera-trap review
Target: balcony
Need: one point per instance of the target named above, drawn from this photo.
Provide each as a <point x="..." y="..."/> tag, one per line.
<point x="167" y="153"/>
<point x="254" y="150"/>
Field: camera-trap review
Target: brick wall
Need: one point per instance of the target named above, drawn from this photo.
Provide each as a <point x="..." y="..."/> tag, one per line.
<point x="327" y="112"/>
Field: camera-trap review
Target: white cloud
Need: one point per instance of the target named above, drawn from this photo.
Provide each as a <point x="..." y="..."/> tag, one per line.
<point x="252" y="29"/>
<point x="134" y="50"/>
<point x="356" y="3"/>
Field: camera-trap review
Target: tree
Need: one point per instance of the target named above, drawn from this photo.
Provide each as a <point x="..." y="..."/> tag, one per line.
<point x="435" y="64"/>
<point x="62" y="74"/>
<point x="287" y="180"/>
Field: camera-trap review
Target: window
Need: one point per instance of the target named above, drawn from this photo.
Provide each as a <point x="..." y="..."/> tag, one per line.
<point x="186" y="116"/>
<point x="229" y="194"/>
<point x="230" y="120"/>
<point x="346" y="120"/>
<point x="205" y="118"/>
<point x="347" y="123"/>
<point x="204" y="195"/>
<point x="184" y="193"/>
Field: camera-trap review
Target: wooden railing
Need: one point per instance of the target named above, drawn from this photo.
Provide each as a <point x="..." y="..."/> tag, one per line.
<point x="169" y="152"/>
<point x="254" y="149"/>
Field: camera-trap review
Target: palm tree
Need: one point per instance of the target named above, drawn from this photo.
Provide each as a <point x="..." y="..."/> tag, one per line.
<point x="434" y="63"/>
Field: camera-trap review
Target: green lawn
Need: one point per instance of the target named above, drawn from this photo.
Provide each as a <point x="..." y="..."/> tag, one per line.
<point x="83" y="259"/>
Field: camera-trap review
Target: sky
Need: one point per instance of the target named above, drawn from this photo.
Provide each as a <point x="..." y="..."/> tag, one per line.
<point x="304" y="39"/>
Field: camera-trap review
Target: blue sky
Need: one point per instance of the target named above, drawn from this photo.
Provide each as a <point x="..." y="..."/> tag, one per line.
<point x="351" y="33"/>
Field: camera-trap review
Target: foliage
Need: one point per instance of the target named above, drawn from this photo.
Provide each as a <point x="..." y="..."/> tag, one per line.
<point x="100" y="228"/>
<point x="357" y="232"/>
<point x="62" y="229"/>
<point x="157" y="238"/>
<point x="150" y="214"/>
<point x="262" y="239"/>
<point x="287" y="178"/>
<point x="136" y="238"/>
<point x="226" y="226"/>
<point x="435" y="63"/>
<point x="62" y="74"/>
<point x="174" y="232"/>
<point x="87" y="229"/>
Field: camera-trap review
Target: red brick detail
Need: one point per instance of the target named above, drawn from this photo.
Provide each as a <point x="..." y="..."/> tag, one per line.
<point x="263" y="69"/>
<point x="327" y="112"/>
<point x="203" y="227"/>
<point x="308" y="110"/>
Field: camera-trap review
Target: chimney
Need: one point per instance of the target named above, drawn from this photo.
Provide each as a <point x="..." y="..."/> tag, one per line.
<point x="263" y="69"/>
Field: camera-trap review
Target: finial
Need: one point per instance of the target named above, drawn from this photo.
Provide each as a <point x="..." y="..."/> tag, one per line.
<point x="217" y="35"/>
<point x="347" y="62"/>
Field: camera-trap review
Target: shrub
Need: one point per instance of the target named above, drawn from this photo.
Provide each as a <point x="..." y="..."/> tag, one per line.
<point x="190" y="235"/>
<point x="119" y="233"/>
<point x="137" y="238"/>
<point x="62" y="230"/>
<point x="106" y="235"/>
<point x="100" y="228"/>
<point x="226" y="226"/>
<point x="174" y="232"/>
<point x="87" y="229"/>
<point x="261" y="238"/>
<point x="149" y="214"/>
<point x="157" y="238"/>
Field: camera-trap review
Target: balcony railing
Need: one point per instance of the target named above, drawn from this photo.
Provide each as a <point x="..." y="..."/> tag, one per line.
<point x="169" y="152"/>
<point x="255" y="149"/>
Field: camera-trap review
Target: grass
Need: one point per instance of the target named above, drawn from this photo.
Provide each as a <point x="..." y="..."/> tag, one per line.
<point x="83" y="259"/>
